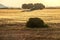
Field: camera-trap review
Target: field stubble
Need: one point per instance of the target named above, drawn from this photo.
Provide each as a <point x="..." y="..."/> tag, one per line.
<point x="48" y="15"/>
<point x="13" y="19"/>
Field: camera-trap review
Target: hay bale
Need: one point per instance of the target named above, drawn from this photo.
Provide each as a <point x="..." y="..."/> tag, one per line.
<point x="36" y="23"/>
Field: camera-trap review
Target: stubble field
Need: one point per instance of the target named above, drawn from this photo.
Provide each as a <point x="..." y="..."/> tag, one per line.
<point x="12" y="23"/>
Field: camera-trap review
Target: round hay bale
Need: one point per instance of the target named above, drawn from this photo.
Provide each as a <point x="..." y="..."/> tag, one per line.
<point x="35" y="23"/>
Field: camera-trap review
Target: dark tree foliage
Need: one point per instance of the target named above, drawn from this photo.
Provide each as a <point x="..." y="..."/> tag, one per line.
<point x="38" y="6"/>
<point x="36" y="23"/>
<point x="35" y="6"/>
<point x="29" y="6"/>
<point x="41" y="6"/>
<point x="24" y="6"/>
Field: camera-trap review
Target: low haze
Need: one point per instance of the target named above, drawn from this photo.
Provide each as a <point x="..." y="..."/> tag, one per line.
<point x="18" y="3"/>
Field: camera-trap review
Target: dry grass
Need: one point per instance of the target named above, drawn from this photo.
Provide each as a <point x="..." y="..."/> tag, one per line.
<point x="30" y="34"/>
<point x="12" y="25"/>
<point x="48" y="15"/>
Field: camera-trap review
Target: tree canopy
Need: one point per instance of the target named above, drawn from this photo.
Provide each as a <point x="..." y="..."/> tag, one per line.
<point x="35" y="6"/>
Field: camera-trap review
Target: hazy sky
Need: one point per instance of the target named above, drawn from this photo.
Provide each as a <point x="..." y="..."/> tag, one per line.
<point x="18" y="3"/>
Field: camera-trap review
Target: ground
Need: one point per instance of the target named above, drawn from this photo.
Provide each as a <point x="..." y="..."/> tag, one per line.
<point x="12" y="24"/>
<point x="48" y="15"/>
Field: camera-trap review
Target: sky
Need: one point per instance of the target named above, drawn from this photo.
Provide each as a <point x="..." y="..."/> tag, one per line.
<point x="18" y="3"/>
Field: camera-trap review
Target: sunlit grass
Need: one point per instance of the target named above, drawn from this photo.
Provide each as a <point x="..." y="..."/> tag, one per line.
<point x="16" y="15"/>
<point x="48" y="15"/>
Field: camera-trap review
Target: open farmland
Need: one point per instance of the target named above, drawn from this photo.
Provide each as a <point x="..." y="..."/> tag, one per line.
<point x="14" y="19"/>
<point x="48" y="15"/>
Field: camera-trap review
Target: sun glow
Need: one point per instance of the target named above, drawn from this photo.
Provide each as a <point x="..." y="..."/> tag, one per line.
<point x="18" y="3"/>
<point x="51" y="2"/>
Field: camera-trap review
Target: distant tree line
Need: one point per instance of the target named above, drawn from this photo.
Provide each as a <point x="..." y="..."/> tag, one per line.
<point x="33" y="6"/>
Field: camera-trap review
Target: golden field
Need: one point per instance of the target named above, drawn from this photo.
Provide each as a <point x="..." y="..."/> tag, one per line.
<point x="48" y="15"/>
<point x="12" y="24"/>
